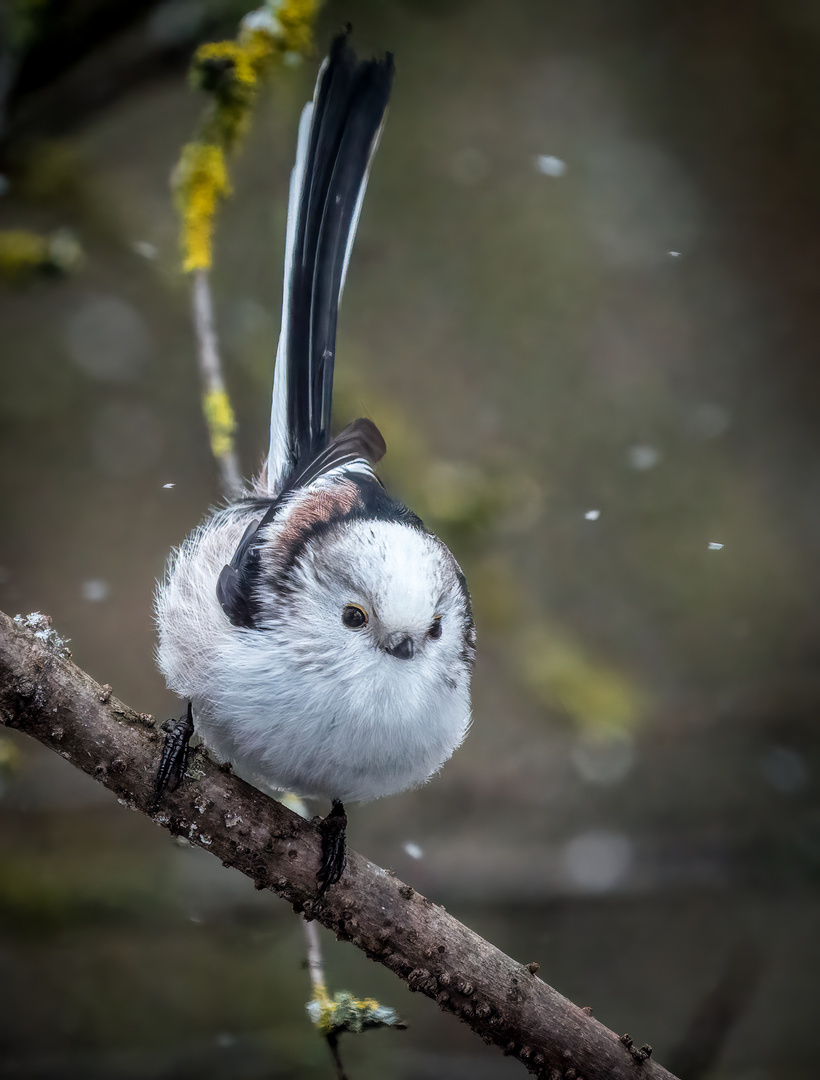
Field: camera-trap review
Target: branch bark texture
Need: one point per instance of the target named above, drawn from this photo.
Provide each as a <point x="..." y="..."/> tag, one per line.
<point x="44" y="694"/>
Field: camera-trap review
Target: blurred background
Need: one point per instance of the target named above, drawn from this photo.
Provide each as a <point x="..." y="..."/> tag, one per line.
<point x="583" y="310"/>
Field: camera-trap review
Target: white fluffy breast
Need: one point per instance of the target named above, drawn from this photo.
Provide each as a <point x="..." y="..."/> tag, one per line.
<point x="302" y="702"/>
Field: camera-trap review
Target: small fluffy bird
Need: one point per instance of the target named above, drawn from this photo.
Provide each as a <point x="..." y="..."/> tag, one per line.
<point x="322" y="636"/>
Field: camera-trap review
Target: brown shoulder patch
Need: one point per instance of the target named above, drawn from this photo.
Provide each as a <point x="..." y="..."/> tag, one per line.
<point x="316" y="509"/>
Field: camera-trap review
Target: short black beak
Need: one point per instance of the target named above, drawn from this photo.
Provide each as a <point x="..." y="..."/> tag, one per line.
<point x="402" y="648"/>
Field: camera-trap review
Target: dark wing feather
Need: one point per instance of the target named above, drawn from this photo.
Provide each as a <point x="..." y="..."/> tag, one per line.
<point x="234" y="589"/>
<point x="360" y="440"/>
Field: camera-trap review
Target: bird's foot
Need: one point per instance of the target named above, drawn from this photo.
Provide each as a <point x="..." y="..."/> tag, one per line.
<point x="332" y="830"/>
<point x="175" y="751"/>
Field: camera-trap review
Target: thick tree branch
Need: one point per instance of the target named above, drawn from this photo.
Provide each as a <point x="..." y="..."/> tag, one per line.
<point x="43" y="693"/>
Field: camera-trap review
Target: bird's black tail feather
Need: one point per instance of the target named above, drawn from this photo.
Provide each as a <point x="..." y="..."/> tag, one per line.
<point x="327" y="188"/>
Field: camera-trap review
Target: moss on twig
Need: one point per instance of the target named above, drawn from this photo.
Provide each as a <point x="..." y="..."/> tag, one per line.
<point x="231" y="72"/>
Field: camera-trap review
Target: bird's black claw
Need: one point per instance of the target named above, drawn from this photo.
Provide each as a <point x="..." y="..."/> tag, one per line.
<point x="332" y="830"/>
<point x="175" y="751"/>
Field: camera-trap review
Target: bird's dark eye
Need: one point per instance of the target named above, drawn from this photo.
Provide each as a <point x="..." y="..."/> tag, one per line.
<point x="435" y="628"/>
<point x="354" y="617"/>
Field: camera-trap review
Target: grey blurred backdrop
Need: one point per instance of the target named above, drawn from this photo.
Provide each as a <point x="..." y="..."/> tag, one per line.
<point x="583" y="309"/>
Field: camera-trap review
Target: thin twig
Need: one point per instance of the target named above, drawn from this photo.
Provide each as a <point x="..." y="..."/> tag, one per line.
<point x="317" y="978"/>
<point x="316" y="968"/>
<point x="333" y="1043"/>
<point x="216" y="404"/>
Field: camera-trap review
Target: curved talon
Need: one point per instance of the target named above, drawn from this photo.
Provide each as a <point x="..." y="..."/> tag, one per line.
<point x="175" y="752"/>
<point x="332" y="830"/>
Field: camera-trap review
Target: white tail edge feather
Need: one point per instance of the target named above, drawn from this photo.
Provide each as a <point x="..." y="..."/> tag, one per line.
<point x="278" y="453"/>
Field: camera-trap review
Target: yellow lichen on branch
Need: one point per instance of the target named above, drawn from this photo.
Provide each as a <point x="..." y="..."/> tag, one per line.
<point x="344" y="1012"/>
<point x="231" y="72"/>
<point x="296" y="19"/>
<point x="200" y="183"/>
<point x="221" y="422"/>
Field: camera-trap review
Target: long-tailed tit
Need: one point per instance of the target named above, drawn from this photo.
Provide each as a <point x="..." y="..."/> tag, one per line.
<point x="323" y="637"/>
